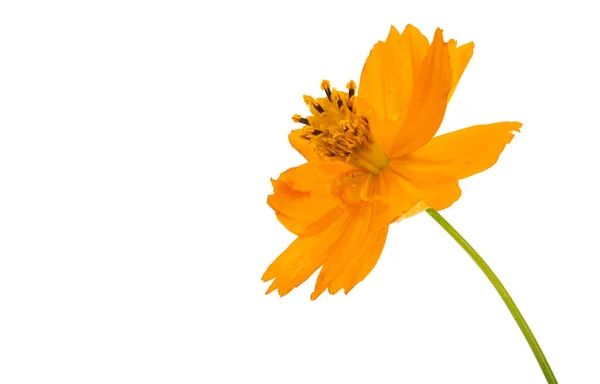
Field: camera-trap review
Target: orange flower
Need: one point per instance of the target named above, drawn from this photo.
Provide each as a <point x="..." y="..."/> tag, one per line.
<point x="372" y="159"/>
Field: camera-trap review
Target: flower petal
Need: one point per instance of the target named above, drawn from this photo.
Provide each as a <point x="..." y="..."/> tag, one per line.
<point x="360" y="263"/>
<point x="386" y="82"/>
<point x="459" y="154"/>
<point x="429" y="99"/>
<point x="459" y="59"/>
<point x="441" y="195"/>
<point x="303" y="257"/>
<point x="301" y="145"/>
<point x="302" y="196"/>
<point x="418" y="47"/>
<point x="418" y="208"/>
<point x="394" y="196"/>
<point x="352" y="257"/>
<point x="399" y="197"/>
<point x="437" y="195"/>
<point x="371" y="95"/>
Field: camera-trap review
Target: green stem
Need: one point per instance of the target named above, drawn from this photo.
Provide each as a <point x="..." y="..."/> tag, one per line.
<point x="512" y="307"/>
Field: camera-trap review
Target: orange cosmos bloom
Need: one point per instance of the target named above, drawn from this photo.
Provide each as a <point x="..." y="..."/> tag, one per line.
<point x="372" y="159"/>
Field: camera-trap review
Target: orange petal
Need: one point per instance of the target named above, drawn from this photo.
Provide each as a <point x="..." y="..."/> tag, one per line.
<point x="428" y="102"/>
<point x="371" y="95"/>
<point x="352" y="257"/>
<point x="418" y="208"/>
<point x="458" y="154"/>
<point x="459" y="59"/>
<point x="418" y="47"/>
<point x="302" y="196"/>
<point x="394" y="196"/>
<point x="399" y="197"/>
<point x="360" y="263"/>
<point x="302" y="213"/>
<point x="439" y="196"/>
<point x="303" y="257"/>
<point x="386" y="82"/>
<point x="301" y="145"/>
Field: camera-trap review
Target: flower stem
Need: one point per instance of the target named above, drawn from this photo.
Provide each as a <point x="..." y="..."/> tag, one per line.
<point x="512" y="307"/>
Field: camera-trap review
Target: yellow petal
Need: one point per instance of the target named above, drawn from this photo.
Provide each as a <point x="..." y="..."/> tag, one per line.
<point x="386" y="82"/>
<point x="458" y="154"/>
<point x="303" y="257"/>
<point x="428" y="102"/>
<point x="302" y="196"/>
<point x="459" y="59"/>
<point x="352" y="257"/>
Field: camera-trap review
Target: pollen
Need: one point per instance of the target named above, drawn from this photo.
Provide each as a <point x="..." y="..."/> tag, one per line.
<point x="337" y="133"/>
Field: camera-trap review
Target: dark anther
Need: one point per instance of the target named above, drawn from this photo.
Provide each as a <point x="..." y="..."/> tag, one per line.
<point x="316" y="132"/>
<point x="340" y="103"/>
<point x="328" y="93"/>
<point x="319" y="108"/>
<point x="303" y="121"/>
<point x="350" y="92"/>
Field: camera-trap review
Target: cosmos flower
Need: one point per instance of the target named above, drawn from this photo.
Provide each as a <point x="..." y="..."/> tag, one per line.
<point x="372" y="159"/>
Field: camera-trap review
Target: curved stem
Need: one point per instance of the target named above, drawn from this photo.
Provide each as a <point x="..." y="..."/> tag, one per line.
<point x="512" y="307"/>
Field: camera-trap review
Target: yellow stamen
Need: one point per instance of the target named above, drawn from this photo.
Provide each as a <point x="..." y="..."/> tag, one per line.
<point x="338" y="133"/>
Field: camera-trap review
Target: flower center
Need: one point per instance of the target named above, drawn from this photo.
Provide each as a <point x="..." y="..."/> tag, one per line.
<point x="337" y="132"/>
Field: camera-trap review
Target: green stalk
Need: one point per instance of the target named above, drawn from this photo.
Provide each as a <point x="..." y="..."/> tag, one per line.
<point x="512" y="307"/>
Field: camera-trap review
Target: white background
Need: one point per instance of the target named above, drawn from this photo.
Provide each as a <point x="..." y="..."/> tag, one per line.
<point x="137" y="140"/>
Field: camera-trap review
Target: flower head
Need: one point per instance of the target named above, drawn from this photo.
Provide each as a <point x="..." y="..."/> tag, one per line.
<point x="372" y="159"/>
